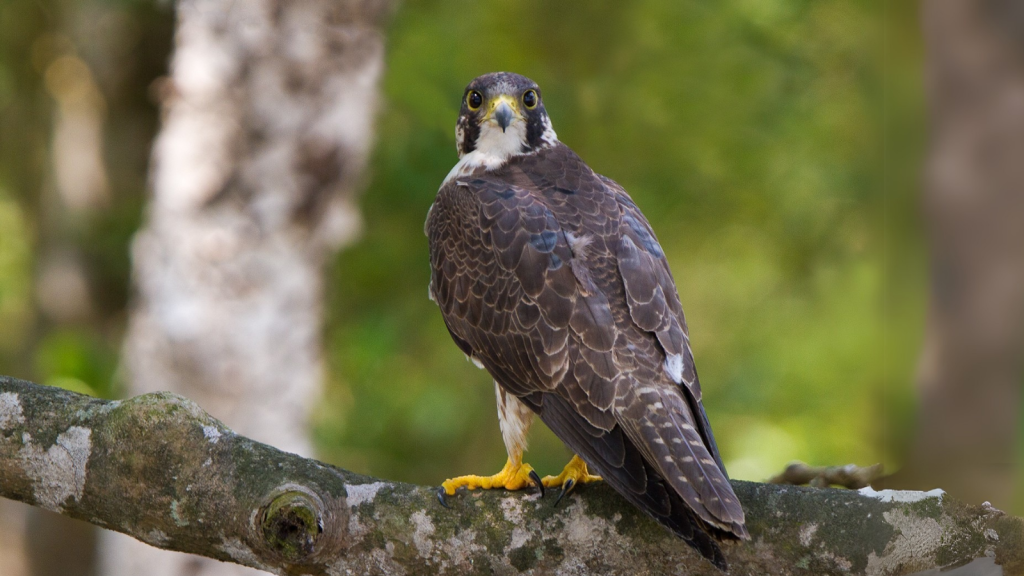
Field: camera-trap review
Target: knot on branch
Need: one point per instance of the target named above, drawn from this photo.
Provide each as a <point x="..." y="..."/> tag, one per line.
<point x="296" y="526"/>
<point x="849" y="476"/>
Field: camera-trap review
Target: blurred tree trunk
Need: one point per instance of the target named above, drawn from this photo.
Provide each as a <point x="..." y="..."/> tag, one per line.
<point x="268" y="117"/>
<point x="970" y="373"/>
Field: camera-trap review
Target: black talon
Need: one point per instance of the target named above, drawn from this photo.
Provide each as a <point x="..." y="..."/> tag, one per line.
<point x="536" y="480"/>
<point x="441" y="497"/>
<point x="566" y="488"/>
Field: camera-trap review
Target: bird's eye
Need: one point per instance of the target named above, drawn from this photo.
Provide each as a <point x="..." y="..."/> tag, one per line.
<point x="530" y="99"/>
<point x="474" y="99"/>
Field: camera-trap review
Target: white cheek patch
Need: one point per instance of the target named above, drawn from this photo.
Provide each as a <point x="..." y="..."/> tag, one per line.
<point x="459" y="135"/>
<point x="493" y="148"/>
<point x="549" y="136"/>
<point x="494" y="144"/>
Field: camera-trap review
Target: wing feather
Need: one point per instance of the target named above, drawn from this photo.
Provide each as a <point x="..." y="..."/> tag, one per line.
<point x="671" y="330"/>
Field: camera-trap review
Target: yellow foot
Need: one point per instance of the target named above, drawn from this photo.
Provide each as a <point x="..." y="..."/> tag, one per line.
<point x="514" y="476"/>
<point x="574" y="473"/>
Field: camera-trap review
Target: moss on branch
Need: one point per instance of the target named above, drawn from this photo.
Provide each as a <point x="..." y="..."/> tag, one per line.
<point x="160" y="469"/>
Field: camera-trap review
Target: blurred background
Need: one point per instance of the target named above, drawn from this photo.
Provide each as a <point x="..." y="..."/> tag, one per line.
<point x="788" y="153"/>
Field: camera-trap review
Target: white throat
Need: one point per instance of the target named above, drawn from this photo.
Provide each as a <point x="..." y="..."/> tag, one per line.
<point x="494" y="147"/>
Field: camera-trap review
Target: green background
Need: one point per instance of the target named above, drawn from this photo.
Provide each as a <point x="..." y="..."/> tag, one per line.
<point x="774" y="145"/>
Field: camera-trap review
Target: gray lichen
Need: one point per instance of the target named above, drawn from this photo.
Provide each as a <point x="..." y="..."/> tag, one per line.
<point x="59" y="472"/>
<point x="10" y="410"/>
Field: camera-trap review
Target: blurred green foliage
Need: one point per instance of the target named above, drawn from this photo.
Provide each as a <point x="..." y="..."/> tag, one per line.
<point x="773" y="144"/>
<point x="122" y="46"/>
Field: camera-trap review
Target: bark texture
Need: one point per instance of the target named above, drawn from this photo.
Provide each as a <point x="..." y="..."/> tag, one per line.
<point x="268" y="116"/>
<point x="971" y="373"/>
<point x="160" y="469"/>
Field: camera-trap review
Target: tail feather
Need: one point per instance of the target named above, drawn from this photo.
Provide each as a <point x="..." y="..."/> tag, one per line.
<point x="624" y="467"/>
<point x="661" y="426"/>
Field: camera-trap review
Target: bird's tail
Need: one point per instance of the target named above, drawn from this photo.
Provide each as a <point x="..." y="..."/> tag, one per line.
<point x="625" y="467"/>
<point x="659" y="421"/>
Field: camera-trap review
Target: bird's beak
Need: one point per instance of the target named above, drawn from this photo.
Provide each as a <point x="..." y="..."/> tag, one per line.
<point x="504" y="110"/>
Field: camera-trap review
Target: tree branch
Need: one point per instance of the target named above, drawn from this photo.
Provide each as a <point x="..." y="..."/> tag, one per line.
<point x="160" y="469"/>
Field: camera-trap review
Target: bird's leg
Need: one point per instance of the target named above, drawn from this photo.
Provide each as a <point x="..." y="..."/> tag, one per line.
<point x="514" y="418"/>
<point x="574" y="473"/>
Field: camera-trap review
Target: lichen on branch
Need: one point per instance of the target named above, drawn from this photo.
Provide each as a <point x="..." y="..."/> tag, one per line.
<point x="160" y="469"/>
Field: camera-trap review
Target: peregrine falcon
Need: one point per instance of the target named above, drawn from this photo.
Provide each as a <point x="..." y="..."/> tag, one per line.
<point x="550" y="278"/>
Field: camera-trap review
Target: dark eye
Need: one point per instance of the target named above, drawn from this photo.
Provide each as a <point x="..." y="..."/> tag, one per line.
<point x="530" y="98"/>
<point x="474" y="100"/>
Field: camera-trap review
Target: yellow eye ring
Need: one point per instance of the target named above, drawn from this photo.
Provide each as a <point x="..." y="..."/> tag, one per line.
<point x="474" y="100"/>
<point x="530" y="99"/>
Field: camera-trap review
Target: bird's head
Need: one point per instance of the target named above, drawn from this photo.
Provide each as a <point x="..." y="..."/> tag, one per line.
<point x="503" y="115"/>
